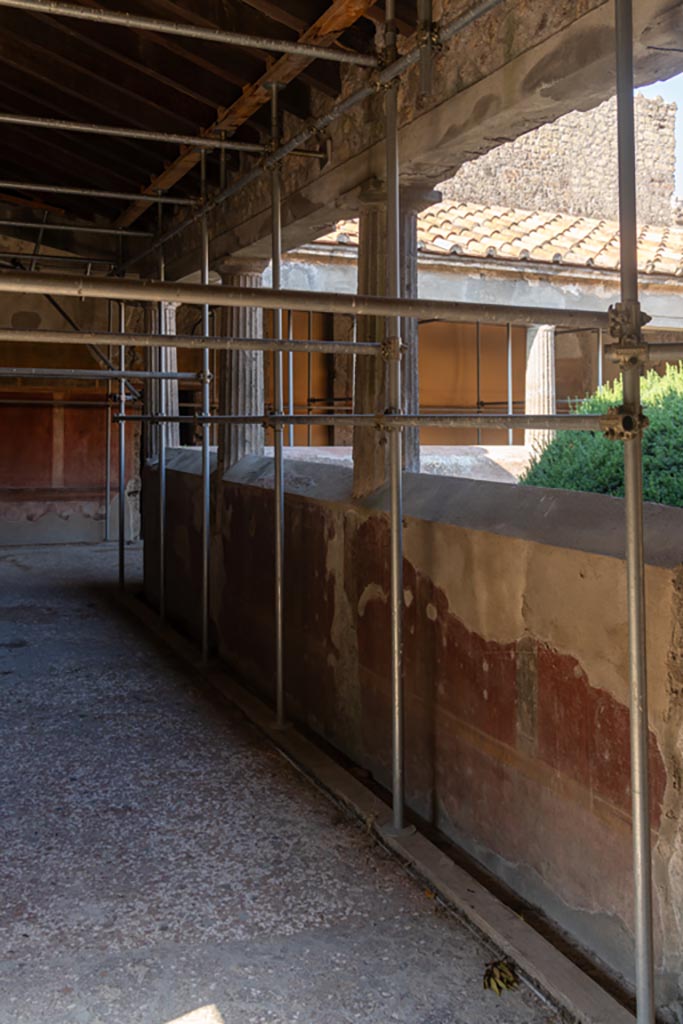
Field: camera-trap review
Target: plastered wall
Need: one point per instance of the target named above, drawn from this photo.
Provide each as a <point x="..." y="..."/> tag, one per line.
<point x="515" y="625"/>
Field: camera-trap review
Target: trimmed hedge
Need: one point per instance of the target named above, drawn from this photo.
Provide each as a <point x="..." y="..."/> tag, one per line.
<point x="585" y="461"/>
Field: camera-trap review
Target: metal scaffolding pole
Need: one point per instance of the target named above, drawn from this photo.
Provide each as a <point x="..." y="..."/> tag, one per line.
<point x="206" y="438"/>
<point x="383" y="421"/>
<point x="107" y="442"/>
<point x="629" y="324"/>
<point x="509" y="379"/>
<point x="290" y="378"/>
<point x="64" y="373"/>
<point x="162" y="449"/>
<point x="143" y="290"/>
<point x="87" y="229"/>
<point x="114" y="131"/>
<point x="45" y="257"/>
<point x="278" y="430"/>
<point x="184" y="341"/>
<point x="92" y="193"/>
<point x="393" y="329"/>
<point x="186" y="31"/>
<point x="122" y="452"/>
<point x="478" y="354"/>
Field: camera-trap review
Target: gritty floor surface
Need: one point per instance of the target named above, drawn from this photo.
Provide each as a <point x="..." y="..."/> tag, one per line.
<point x="160" y="862"/>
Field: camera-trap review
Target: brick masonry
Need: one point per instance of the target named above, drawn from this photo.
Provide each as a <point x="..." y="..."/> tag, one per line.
<point x="570" y="165"/>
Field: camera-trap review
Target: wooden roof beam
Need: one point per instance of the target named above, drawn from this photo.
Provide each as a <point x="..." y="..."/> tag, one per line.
<point x="339" y="16"/>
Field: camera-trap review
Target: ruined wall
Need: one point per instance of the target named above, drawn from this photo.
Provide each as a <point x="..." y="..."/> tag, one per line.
<point x="570" y="166"/>
<point x="515" y="668"/>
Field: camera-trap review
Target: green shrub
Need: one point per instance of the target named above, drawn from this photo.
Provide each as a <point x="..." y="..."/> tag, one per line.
<point x="585" y="461"/>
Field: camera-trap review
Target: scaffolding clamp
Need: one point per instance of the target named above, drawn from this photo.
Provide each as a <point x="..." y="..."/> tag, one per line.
<point x="391" y="348"/>
<point x="429" y="37"/>
<point x="626" y="321"/>
<point x="205" y="377"/>
<point x="619" y="425"/>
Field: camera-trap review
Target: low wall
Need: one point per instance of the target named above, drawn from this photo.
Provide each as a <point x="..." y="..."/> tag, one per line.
<point x="517" y="725"/>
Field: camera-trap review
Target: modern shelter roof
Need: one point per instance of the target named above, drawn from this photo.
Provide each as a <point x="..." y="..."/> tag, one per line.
<point x="78" y="70"/>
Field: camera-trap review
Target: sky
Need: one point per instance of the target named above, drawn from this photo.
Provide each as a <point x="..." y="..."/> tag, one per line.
<point x="672" y="90"/>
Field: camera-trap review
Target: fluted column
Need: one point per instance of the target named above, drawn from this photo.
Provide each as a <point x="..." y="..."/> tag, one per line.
<point x="370" y="390"/>
<point x="240" y="390"/>
<point x="539" y="391"/>
<point x="153" y="389"/>
<point x="413" y="200"/>
<point x="370" y="383"/>
<point x="171" y="366"/>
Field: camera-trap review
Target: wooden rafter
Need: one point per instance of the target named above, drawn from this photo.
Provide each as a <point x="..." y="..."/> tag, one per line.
<point x="323" y="32"/>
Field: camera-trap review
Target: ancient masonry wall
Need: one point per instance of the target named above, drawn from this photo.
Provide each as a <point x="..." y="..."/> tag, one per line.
<point x="571" y="166"/>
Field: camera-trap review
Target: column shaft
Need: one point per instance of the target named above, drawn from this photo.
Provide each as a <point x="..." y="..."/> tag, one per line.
<point x="240" y="373"/>
<point x="539" y="395"/>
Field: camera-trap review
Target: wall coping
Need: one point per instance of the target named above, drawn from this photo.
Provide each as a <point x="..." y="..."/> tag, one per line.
<point x="593" y="523"/>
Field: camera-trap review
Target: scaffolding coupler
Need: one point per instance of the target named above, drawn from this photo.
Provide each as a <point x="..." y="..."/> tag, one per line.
<point x="618" y="424"/>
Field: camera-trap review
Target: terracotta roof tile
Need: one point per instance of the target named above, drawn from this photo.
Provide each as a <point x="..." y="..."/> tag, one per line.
<point x="503" y="233"/>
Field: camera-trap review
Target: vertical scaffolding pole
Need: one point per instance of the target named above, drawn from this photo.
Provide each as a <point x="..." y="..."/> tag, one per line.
<point x="601" y="358"/>
<point x="510" y="394"/>
<point x="478" y="374"/>
<point x="630" y="322"/>
<point x="290" y="378"/>
<point x="395" y="436"/>
<point x="107" y="437"/>
<point x="309" y="378"/>
<point x="206" y="435"/>
<point x="122" y="452"/>
<point x="162" y="443"/>
<point x="278" y="439"/>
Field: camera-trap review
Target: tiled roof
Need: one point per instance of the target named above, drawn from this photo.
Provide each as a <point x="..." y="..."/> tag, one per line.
<point x="501" y="233"/>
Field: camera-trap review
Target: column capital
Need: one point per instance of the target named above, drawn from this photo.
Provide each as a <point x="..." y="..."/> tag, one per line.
<point x="235" y="266"/>
<point x="413" y="198"/>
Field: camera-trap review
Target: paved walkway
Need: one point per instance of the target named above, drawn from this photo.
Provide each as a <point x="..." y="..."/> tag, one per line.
<point x="160" y="862"/>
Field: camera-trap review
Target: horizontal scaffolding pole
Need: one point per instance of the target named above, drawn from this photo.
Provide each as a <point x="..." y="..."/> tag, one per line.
<point x="189" y="341"/>
<point x="59" y="403"/>
<point x="655" y="352"/>
<point x="383" y="422"/>
<point x="93" y="193"/>
<point x="115" y="131"/>
<point x="382" y="78"/>
<point x="45" y="257"/>
<point x="88" y="229"/>
<point x="315" y="301"/>
<point x="174" y="28"/>
<point x="63" y="373"/>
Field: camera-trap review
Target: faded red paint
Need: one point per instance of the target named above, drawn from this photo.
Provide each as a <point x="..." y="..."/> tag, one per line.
<point x="530" y="762"/>
<point x="25" y="444"/>
<point x="60" y="448"/>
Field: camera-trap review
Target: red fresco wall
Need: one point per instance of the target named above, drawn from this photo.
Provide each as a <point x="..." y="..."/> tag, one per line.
<point x="511" y="749"/>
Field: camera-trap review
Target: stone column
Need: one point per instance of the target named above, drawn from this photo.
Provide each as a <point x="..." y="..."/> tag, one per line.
<point x="171" y="365"/>
<point x="342" y="374"/>
<point x="539" y="391"/>
<point x="413" y="200"/>
<point x="370" y="382"/>
<point x="153" y="388"/>
<point x="240" y="373"/>
<point x="370" y="391"/>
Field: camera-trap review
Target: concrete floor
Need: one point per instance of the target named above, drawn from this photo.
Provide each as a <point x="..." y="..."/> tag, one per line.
<point x="161" y="862"/>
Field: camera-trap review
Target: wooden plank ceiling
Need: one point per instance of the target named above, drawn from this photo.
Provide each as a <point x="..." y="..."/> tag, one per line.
<point x="81" y="71"/>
